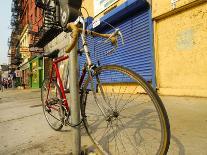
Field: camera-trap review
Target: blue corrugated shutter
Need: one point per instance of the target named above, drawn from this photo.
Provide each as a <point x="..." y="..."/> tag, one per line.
<point x="136" y="54"/>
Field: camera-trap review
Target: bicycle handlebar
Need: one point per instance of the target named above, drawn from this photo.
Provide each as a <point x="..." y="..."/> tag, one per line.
<point x="74" y="36"/>
<point x="75" y="31"/>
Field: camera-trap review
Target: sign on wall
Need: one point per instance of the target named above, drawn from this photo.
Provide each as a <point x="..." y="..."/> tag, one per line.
<point x="34" y="72"/>
<point x="173" y="2"/>
<point x="100" y="5"/>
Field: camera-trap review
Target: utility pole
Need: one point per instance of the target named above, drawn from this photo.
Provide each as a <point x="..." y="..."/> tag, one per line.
<point x="75" y="101"/>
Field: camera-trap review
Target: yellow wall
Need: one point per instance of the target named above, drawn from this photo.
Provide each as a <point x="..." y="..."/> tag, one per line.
<point x="181" y="52"/>
<point x="126" y="88"/>
<point x="160" y="7"/>
<point x="118" y="3"/>
<point x="88" y="4"/>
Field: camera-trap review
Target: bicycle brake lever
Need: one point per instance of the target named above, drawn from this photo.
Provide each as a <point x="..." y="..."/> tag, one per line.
<point x="122" y="38"/>
<point x="112" y="35"/>
<point x="107" y="40"/>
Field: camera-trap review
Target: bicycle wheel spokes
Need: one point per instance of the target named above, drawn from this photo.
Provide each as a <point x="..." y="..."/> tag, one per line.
<point x="134" y="124"/>
<point x="52" y="105"/>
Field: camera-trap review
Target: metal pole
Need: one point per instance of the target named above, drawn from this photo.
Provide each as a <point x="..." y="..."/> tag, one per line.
<point x="75" y="101"/>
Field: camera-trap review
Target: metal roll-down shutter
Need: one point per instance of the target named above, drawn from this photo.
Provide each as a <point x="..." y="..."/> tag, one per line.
<point x="136" y="54"/>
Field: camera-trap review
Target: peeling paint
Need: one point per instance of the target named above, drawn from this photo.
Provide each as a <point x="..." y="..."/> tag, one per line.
<point x="185" y="40"/>
<point x="160" y="7"/>
<point x="181" y="52"/>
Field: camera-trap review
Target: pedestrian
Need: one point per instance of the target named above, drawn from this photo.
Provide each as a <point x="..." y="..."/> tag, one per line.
<point x="5" y="83"/>
<point x="1" y="86"/>
<point x="9" y="81"/>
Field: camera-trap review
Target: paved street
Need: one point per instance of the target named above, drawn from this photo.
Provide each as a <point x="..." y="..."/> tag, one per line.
<point x="24" y="130"/>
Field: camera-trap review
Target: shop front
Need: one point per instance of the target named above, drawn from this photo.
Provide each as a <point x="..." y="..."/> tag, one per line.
<point x="36" y="72"/>
<point x="25" y="79"/>
<point x="133" y="18"/>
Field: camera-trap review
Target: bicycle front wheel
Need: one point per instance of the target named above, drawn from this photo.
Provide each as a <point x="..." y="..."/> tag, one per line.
<point x="123" y="114"/>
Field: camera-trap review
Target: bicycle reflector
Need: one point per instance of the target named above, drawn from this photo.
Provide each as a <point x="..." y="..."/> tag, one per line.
<point x="69" y="11"/>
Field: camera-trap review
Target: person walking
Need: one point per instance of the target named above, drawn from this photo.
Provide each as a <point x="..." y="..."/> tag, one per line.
<point x="1" y="86"/>
<point x="9" y="83"/>
<point x="5" y="83"/>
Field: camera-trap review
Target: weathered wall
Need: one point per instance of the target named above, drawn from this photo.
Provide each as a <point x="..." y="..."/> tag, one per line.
<point x="24" y="44"/>
<point x="160" y="7"/>
<point x="116" y="4"/>
<point x="31" y="15"/>
<point x="88" y="4"/>
<point x="180" y="48"/>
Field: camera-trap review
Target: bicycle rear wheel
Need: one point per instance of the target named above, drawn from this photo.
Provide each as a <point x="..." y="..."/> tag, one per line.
<point x="52" y="105"/>
<point x="123" y="114"/>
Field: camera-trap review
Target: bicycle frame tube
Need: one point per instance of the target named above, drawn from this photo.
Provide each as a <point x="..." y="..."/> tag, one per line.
<point x="61" y="85"/>
<point x="59" y="80"/>
<point x="61" y="58"/>
<point x="82" y="76"/>
<point x="83" y="37"/>
<point x="49" y="83"/>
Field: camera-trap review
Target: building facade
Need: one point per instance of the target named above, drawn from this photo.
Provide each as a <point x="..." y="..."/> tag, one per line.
<point x="32" y="21"/>
<point x="164" y="42"/>
<point x="180" y="49"/>
<point x="172" y="56"/>
<point x="28" y="22"/>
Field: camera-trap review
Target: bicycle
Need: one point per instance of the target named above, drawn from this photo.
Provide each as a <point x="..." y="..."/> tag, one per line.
<point x="120" y="111"/>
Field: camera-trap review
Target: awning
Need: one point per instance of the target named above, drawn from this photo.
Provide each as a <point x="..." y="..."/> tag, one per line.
<point x="120" y="12"/>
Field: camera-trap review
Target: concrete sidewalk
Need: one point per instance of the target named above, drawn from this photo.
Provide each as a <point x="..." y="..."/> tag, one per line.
<point x="24" y="130"/>
<point x="188" y="120"/>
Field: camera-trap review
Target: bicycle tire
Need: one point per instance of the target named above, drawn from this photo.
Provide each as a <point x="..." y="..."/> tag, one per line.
<point x="54" y="113"/>
<point x="109" y="142"/>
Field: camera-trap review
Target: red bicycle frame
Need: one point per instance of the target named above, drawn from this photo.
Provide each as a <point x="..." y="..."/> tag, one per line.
<point x="59" y="80"/>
